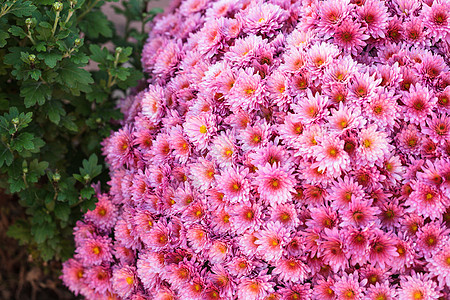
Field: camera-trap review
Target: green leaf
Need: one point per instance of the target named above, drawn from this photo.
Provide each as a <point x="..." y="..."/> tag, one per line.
<point x="42" y="232"/>
<point x="20" y="230"/>
<point x="121" y="73"/>
<point x="50" y="59"/>
<point x="41" y="47"/>
<point x="72" y="76"/>
<point x="6" y="156"/>
<point x="68" y="123"/>
<point x="16" y="184"/>
<point x="62" y="211"/>
<point x="87" y="192"/>
<point x="17" y="31"/>
<point x="35" y="92"/>
<point x="3" y="36"/>
<point x="23" y="141"/>
<point x="35" y="74"/>
<point x="54" y="111"/>
<point x="97" y="54"/>
<point x="22" y="8"/>
<point x="95" y="24"/>
<point x="36" y="170"/>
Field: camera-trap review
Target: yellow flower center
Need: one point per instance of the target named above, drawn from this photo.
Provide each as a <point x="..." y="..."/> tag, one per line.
<point x="96" y="250"/>
<point x="102" y="212"/>
<point x="130" y="280"/>
<point x="367" y="143"/>
<point x="203" y="129"/>
<point x="418" y="295"/>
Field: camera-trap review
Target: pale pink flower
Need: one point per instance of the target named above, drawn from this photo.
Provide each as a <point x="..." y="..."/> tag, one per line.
<point x="275" y="183"/>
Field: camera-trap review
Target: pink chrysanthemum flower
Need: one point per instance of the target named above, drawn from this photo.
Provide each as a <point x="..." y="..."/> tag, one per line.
<point x="200" y="129"/>
<point x="272" y="154"/>
<point x="419" y="103"/>
<point x="223" y="149"/>
<point x="407" y="256"/>
<point x="234" y="184"/>
<point x="291" y="269"/>
<point x="98" y="279"/>
<point x="73" y="276"/>
<point x="202" y="173"/>
<point x="255" y="288"/>
<point x="333" y="251"/>
<point x="179" y="144"/>
<point x="263" y="18"/>
<point x="418" y="286"/>
<point x="159" y="237"/>
<point x="437" y="19"/>
<point x="382" y="109"/>
<point x="373" y="145"/>
<point x="409" y="139"/>
<point x="118" y="148"/>
<point x="275" y="183"/>
<point x="344" y="191"/>
<point x="415" y="32"/>
<point x="363" y="87"/>
<point x="374" y="14"/>
<point x="374" y="275"/>
<point x="359" y="213"/>
<point x="245" y="49"/>
<point x="439" y="265"/>
<point x="322" y="217"/>
<point x="340" y="71"/>
<point x="220" y="221"/>
<point x="245" y="217"/>
<point x="382" y="291"/>
<point x="277" y="89"/>
<point x="323" y="289"/>
<point x="432" y="66"/>
<point x="153" y="102"/>
<point x="438" y="128"/>
<point x="431" y="237"/>
<point x="345" y="118"/>
<point x="308" y="140"/>
<point x="390" y="214"/>
<point x="197" y="237"/>
<point x="426" y="200"/>
<point x="382" y="249"/>
<point x="357" y="244"/>
<point x="332" y="13"/>
<point x="124" y="281"/>
<point x="312" y="108"/>
<point x="247" y="92"/>
<point x="330" y="156"/>
<point x="294" y="60"/>
<point x="95" y="251"/>
<point x="272" y="240"/>
<point x="286" y="214"/>
<point x="149" y="264"/>
<point x="240" y="266"/>
<point x="254" y="136"/>
<point x="349" y="36"/>
<point x="104" y="215"/>
<point x="319" y="56"/>
<point x="300" y="291"/>
<point x="349" y="287"/>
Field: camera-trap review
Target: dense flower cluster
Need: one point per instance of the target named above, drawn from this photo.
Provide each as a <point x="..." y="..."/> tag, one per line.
<point x="281" y="150"/>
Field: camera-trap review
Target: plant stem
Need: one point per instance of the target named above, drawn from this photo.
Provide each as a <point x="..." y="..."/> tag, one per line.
<point x="56" y="23"/>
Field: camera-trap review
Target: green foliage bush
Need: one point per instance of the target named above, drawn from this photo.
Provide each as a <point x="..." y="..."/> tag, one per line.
<point x="54" y="112"/>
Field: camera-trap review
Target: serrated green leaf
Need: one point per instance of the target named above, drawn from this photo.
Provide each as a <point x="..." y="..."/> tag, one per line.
<point x="98" y="54"/>
<point x="87" y="192"/>
<point x="22" y="8"/>
<point x="16" y="184"/>
<point x="17" y="31"/>
<point x="97" y="95"/>
<point x="121" y="73"/>
<point x="95" y="24"/>
<point x="35" y="74"/>
<point x="35" y="92"/>
<point x="50" y="59"/>
<point x="23" y="141"/>
<point x="41" y="47"/>
<point x="20" y="230"/>
<point x="42" y="232"/>
<point x="73" y="76"/>
<point x="54" y="111"/>
<point x="62" y="211"/>
<point x="6" y="156"/>
<point x="68" y="122"/>
<point x="3" y="36"/>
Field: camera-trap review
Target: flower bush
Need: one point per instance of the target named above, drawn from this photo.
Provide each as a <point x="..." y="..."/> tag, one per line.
<point x="281" y="150"/>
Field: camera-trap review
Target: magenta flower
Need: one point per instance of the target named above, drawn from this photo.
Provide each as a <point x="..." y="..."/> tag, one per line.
<point x="418" y="286"/>
<point x="275" y="184"/>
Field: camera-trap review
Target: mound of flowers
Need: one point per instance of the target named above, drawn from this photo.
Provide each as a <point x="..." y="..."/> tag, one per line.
<point x="281" y="150"/>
